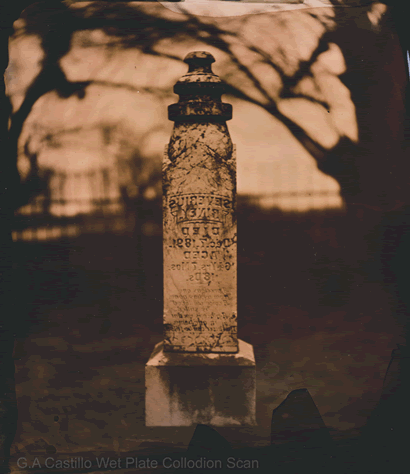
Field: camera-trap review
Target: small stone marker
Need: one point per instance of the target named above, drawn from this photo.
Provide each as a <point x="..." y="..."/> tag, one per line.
<point x="298" y="420"/>
<point x="201" y="372"/>
<point x="199" y="191"/>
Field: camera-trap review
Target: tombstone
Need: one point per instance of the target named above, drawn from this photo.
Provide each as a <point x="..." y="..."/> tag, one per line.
<point x="298" y="420"/>
<point x="387" y="430"/>
<point x="201" y="372"/>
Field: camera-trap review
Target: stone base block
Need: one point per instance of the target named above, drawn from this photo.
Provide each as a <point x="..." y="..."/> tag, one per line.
<point x="184" y="389"/>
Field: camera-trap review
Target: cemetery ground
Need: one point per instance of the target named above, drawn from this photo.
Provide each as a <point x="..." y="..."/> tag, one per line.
<point x="312" y="301"/>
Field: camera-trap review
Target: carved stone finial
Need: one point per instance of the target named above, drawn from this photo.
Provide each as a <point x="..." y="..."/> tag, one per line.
<point x="198" y="59"/>
<point x="200" y="92"/>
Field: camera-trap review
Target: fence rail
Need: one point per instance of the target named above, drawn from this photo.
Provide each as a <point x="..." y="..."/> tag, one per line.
<point x="104" y="201"/>
<point x="298" y="201"/>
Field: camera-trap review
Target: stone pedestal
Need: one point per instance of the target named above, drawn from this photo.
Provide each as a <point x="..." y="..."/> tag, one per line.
<point x="184" y="389"/>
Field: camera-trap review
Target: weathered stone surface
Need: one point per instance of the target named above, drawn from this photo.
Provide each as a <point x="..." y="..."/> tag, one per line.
<point x="184" y="389"/>
<point x="199" y="218"/>
<point x="200" y="373"/>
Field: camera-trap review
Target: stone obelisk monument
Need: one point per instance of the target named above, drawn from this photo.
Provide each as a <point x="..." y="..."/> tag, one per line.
<point x="201" y="372"/>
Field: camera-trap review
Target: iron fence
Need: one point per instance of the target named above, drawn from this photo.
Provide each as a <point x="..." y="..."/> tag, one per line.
<point x="102" y="201"/>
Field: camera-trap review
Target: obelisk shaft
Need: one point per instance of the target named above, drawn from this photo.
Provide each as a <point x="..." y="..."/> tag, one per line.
<point x="199" y="220"/>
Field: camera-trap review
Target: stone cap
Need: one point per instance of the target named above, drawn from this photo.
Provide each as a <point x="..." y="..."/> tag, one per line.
<point x="199" y="72"/>
<point x="200" y="92"/>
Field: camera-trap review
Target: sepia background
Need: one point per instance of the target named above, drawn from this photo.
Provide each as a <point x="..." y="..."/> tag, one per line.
<point x="318" y="119"/>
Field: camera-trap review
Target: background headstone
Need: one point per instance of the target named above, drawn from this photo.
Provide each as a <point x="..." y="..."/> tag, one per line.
<point x="298" y="420"/>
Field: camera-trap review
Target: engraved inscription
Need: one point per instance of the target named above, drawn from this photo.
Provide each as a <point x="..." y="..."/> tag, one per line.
<point x="199" y="208"/>
<point x="200" y="273"/>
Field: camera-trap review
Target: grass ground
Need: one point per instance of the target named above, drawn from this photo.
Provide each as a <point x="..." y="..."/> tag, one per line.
<point x="89" y="312"/>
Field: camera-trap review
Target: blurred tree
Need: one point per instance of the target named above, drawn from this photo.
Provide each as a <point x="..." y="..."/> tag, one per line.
<point x="334" y="77"/>
<point x="310" y="75"/>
